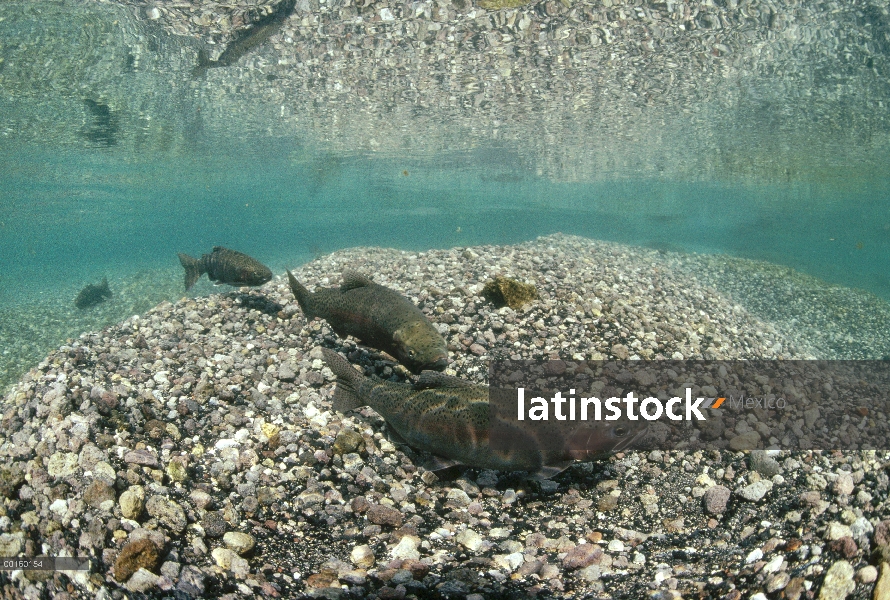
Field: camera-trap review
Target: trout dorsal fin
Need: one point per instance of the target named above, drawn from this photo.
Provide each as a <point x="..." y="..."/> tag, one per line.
<point x="435" y="379"/>
<point x="353" y="280"/>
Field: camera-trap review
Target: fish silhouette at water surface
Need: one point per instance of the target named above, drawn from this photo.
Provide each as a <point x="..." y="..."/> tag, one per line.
<point x="93" y="294"/>
<point x="379" y="317"/>
<point x="225" y="266"/>
<point x="248" y="39"/>
<point x="103" y="127"/>
<point x="451" y="419"/>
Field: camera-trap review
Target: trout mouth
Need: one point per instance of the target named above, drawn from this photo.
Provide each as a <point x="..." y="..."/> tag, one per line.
<point x="421" y="361"/>
<point x="439" y="364"/>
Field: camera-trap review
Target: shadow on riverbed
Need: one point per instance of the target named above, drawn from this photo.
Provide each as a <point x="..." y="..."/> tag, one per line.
<point x="259" y="302"/>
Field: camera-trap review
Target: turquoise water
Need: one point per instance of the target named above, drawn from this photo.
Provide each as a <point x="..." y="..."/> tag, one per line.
<point x="73" y="216"/>
<point x="765" y="138"/>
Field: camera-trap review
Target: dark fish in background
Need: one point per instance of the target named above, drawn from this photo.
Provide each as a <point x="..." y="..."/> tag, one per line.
<point x="103" y="127"/>
<point x="225" y="266"/>
<point x="450" y="418"/>
<point x="93" y="294"/>
<point x="248" y="39"/>
<point x="379" y="317"/>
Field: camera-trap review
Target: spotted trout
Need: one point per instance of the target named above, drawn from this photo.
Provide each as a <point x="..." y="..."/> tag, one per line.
<point x="225" y="266"/>
<point x="451" y="419"/>
<point x="247" y="39"/>
<point x="379" y="317"/>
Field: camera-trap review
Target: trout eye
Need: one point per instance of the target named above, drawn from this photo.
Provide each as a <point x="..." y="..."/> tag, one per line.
<point x="621" y="431"/>
<point x="412" y="353"/>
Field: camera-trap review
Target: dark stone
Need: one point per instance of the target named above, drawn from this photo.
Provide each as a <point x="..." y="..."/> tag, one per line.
<point x="583" y="555"/>
<point x="763" y="464"/>
<point x="11" y="479"/>
<point x="141" y="457"/>
<point x="716" y="499"/>
<point x="141" y="554"/>
<point x="98" y="492"/>
<point x="348" y="441"/>
<point x="844" y="546"/>
<point x="384" y="515"/>
<point x="360" y="504"/>
<point x="214" y="524"/>
<point x="882" y="542"/>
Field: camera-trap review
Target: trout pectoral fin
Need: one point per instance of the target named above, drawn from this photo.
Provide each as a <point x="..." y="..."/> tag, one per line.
<point x="338" y="329"/>
<point x="396" y="438"/>
<point x="438" y="463"/>
<point x="549" y="471"/>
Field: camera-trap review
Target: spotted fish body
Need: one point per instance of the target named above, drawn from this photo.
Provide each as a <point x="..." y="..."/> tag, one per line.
<point x="450" y="418"/>
<point x="248" y="39"/>
<point x="379" y="317"/>
<point x="225" y="266"/>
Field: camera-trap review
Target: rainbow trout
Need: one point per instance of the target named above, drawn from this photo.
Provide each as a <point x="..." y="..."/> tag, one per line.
<point x="225" y="266"/>
<point x="93" y="294"/>
<point x="379" y="317"/>
<point x="450" y="418"/>
<point x="247" y="39"/>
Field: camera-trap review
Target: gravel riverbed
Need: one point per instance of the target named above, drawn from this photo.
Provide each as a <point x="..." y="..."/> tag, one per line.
<point x="192" y="452"/>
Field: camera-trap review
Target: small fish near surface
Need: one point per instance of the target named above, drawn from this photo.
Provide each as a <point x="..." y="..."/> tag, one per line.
<point x="93" y="294"/>
<point x="225" y="266"/>
<point x="379" y="317"/>
<point x="451" y="419"/>
<point x="247" y="39"/>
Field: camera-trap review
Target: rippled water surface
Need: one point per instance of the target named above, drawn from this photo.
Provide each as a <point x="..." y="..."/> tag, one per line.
<point x="754" y="130"/>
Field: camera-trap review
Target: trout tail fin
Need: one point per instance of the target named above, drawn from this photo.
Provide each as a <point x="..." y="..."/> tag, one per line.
<point x="302" y="295"/>
<point x="346" y="396"/>
<point x="192" y="268"/>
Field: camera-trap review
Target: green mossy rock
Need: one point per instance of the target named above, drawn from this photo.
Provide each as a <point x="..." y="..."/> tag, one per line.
<point x="11" y="479"/>
<point x="503" y="291"/>
<point x="348" y="441"/>
<point x="499" y="4"/>
<point x="139" y="554"/>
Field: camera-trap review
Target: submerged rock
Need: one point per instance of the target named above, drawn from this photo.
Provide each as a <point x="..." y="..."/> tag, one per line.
<point x="139" y="554"/>
<point x="500" y="4"/>
<point x="503" y="291"/>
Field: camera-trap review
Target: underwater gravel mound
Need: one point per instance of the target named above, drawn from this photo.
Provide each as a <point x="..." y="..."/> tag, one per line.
<point x="191" y="452"/>
<point x="841" y="323"/>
